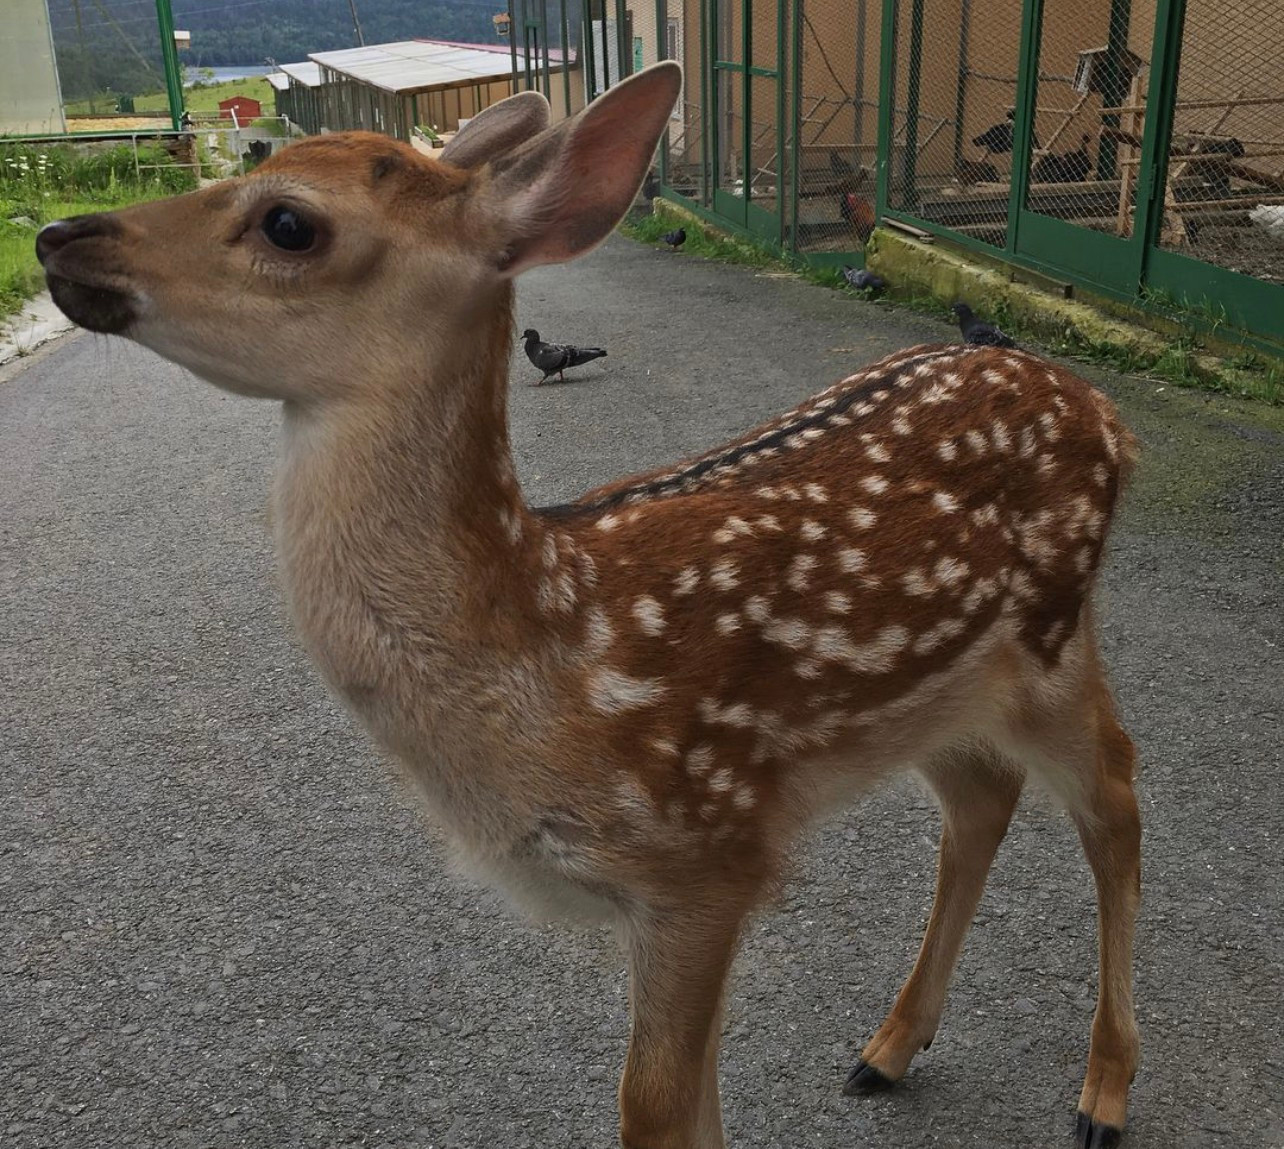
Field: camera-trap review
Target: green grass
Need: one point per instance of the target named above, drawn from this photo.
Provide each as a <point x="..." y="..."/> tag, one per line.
<point x="708" y="243"/>
<point x="20" y="274"/>
<point x="41" y="184"/>
<point x="203" y="99"/>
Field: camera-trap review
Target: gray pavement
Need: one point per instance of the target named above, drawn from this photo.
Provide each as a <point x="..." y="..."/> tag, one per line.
<point x="223" y="922"/>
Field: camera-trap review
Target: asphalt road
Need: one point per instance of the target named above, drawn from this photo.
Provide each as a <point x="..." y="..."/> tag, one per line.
<point x="223" y="922"/>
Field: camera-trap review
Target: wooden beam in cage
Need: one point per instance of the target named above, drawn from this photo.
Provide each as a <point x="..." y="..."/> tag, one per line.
<point x="1189" y="105"/>
<point x="1123" y="218"/>
<point x="1173" y="223"/>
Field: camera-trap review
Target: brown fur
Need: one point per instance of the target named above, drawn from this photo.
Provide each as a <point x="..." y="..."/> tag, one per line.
<point x="634" y="704"/>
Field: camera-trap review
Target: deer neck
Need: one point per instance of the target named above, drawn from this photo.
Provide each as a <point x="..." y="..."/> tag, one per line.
<point x="405" y="546"/>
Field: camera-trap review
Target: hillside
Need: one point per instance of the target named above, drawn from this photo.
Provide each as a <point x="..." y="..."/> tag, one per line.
<point x="113" y="44"/>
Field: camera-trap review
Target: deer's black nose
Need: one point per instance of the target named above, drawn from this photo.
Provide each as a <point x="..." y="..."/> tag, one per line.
<point x="55" y="236"/>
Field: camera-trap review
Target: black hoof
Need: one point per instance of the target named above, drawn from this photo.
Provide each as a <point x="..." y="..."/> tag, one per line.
<point x="1089" y="1134"/>
<point x="865" y="1079"/>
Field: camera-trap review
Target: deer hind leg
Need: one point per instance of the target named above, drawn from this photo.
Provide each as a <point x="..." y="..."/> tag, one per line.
<point x="1074" y="740"/>
<point x="977" y="791"/>
<point x="1110" y="830"/>
<point x="678" y="965"/>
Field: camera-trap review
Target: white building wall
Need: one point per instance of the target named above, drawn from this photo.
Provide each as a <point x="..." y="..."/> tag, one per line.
<point x="30" y="99"/>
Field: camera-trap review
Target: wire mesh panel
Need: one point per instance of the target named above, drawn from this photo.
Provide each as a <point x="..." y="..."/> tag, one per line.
<point x="1224" y="195"/>
<point x="1089" y="116"/>
<point x="952" y="116"/>
<point x="685" y="138"/>
<point x="836" y="122"/>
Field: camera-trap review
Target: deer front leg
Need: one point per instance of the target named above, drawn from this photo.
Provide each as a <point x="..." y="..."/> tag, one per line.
<point x="678" y="965"/>
<point x="977" y="798"/>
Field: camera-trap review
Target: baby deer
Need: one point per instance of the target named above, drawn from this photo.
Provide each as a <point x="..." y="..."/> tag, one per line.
<point x="634" y="704"/>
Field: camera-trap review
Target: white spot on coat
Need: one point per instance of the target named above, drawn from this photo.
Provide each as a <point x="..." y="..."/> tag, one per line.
<point x="612" y="691"/>
<point x="650" y="615"/>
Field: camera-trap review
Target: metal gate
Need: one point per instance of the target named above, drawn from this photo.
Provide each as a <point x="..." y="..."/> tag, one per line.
<point x="1138" y="151"/>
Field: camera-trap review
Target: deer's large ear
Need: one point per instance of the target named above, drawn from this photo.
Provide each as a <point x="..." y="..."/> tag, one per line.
<point x="497" y="129"/>
<point x="561" y="194"/>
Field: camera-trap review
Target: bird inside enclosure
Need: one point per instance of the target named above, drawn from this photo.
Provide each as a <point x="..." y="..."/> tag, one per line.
<point x="675" y="239"/>
<point x="975" y="172"/>
<point x="863" y="280"/>
<point x="859" y="212"/>
<point x="977" y="331"/>
<point x="554" y="358"/>
<point x="999" y="138"/>
<point x="1064" y="168"/>
<point x="1269" y="217"/>
<point x="650" y="187"/>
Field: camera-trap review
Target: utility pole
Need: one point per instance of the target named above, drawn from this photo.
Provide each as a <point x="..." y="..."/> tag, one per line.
<point x="356" y="24"/>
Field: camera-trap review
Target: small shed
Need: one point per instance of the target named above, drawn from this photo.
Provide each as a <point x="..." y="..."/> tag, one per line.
<point x="244" y="107"/>
<point x="391" y="88"/>
<point x="301" y="98"/>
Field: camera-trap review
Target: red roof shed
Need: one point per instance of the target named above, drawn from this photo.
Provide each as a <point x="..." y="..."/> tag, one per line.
<point x="245" y="108"/>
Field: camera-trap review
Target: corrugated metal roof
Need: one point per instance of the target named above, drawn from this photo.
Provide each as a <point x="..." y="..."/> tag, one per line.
<point x="416" y="65"/>
<point x="307" y="73"/>
<point x="279" y="80"/>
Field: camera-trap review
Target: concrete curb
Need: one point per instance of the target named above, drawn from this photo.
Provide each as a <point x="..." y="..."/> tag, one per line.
<point x="36" y="324"/>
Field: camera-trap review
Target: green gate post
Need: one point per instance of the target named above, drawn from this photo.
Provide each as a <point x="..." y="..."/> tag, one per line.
<point x="1161" y="112"/>
<point x="913" y="82"/>
<point x="708" y="86"/>
<point x="795" y="96"/>
<point x="886" y="102"/>
<point x="565" y="32"/>
<point x="169" y="54"/>
<point x="513" y="24"/>
<point x="1023" y="115"/>
<point x="589" y="50"/>
<point x="960" y="101"/>
<point x="780" y="121"/>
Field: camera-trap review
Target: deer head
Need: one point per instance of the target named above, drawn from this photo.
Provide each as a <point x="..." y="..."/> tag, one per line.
<point x="288" y="282"/>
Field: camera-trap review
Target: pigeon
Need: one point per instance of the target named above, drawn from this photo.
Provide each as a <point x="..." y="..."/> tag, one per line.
<point x="863" y="280"/>
<point x="554" y="358"/>
<point x="976" y="331"/>
<point x="675" y="239"/>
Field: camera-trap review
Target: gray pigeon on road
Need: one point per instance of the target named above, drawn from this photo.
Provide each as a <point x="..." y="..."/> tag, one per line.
<point x="554" y="358"/>
<point x="863" y="280"/>
<point x="977" y="331"/>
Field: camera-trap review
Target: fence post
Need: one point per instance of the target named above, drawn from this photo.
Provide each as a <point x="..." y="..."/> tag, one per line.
<point x="886" y="107"/>
<point x="1023" y="115"/>
<point x="913" y="83"/>
<point x="169" y="54"/>
<point x="795" y="119"/>
<point x="1161" y="110"/>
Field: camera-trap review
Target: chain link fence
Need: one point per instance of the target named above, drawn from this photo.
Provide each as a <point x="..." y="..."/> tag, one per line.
<point x="1224" y="195"/>
<point x="953" y="111"/>
<point x="836" y="124"/>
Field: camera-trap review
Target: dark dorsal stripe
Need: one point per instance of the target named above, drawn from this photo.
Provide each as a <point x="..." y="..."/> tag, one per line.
<point x="678" y="482"/>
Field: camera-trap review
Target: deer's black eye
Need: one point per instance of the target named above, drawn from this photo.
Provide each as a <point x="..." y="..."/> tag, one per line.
<point x="288" y="229"/>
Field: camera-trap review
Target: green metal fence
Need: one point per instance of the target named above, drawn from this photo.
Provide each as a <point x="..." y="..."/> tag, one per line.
<point x="1133" y="148"/>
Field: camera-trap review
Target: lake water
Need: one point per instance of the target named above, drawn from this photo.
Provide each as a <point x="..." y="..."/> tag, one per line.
<point x="192" y="75"/>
